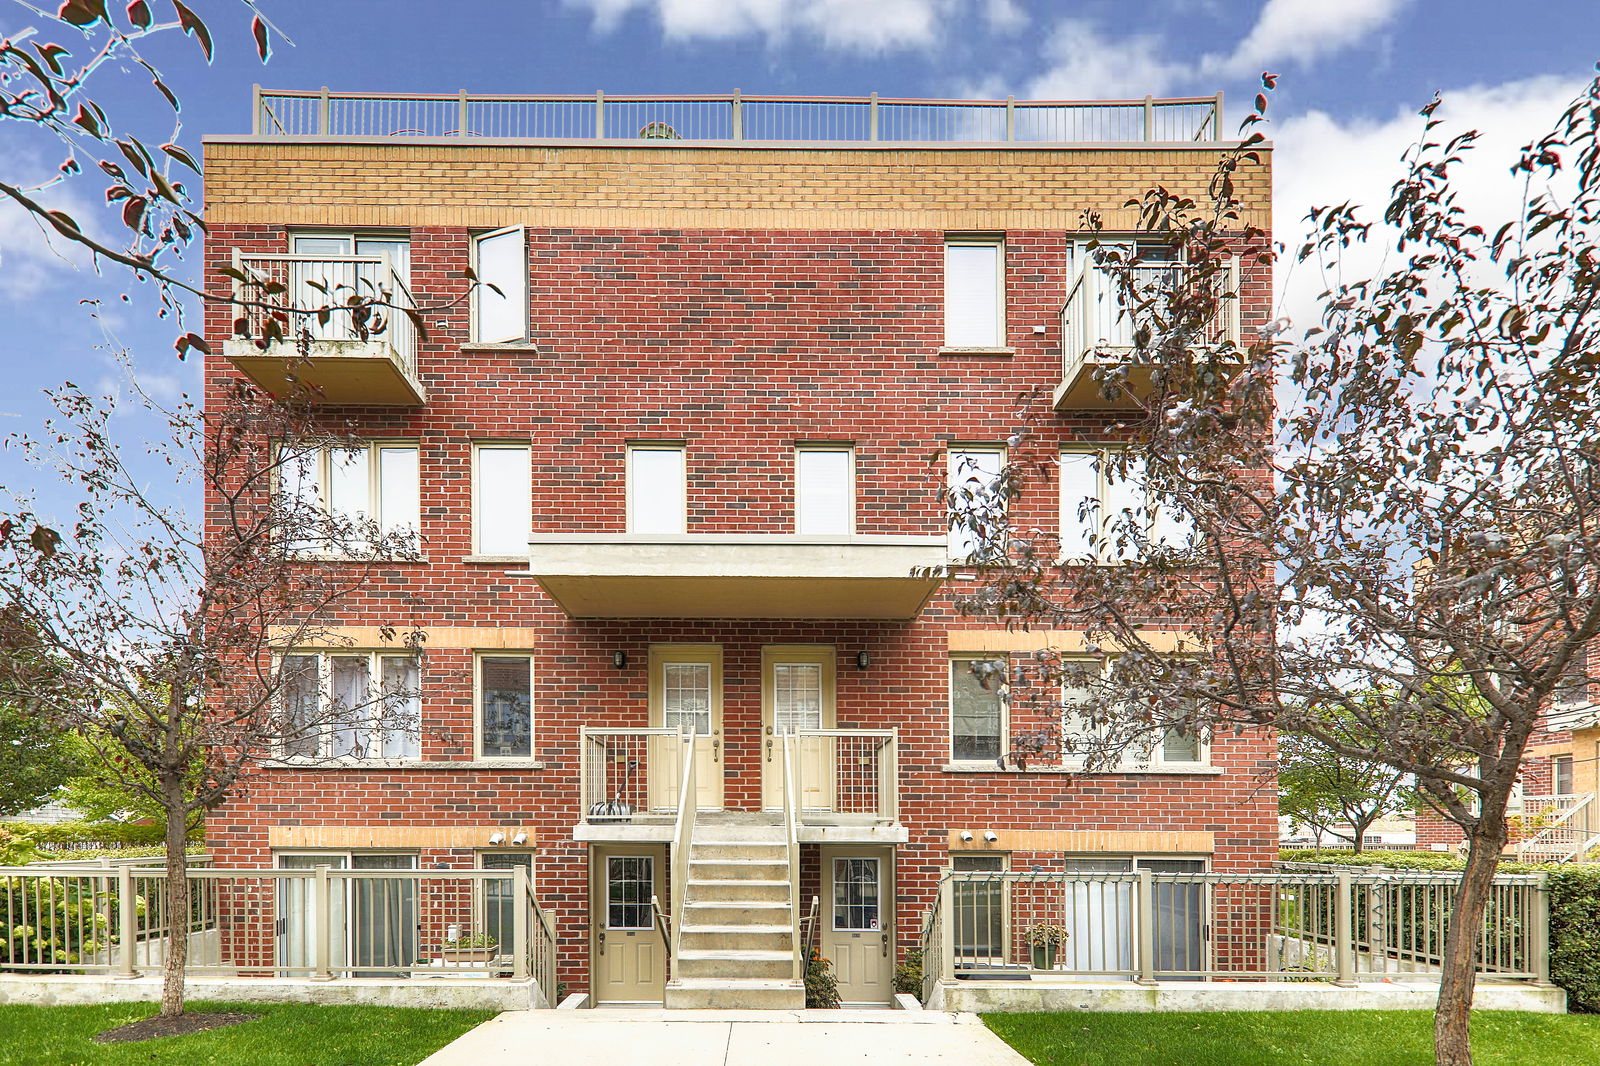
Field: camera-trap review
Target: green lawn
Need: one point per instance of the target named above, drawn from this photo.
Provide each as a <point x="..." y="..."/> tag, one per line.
<point x="1293" y="1038"/>
<point x="284" y="1035"/>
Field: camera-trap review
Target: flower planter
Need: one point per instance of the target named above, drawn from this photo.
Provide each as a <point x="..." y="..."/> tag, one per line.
<point x="1044" y="956"/>
<point x="463" y="956"/>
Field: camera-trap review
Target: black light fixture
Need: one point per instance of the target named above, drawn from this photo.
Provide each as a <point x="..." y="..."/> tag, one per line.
<point x="619" y="659"/>
<point x="863" y="660"/>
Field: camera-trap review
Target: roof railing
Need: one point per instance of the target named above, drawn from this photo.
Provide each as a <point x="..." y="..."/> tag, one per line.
<point x="733" y="117"/>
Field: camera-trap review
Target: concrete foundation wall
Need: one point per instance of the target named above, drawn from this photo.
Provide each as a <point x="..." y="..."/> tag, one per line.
<point x="1028" y="996"/>
<point x="61" y="990"/>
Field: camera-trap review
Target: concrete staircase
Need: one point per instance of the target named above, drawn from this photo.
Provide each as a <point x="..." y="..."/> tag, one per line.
<point x="737" y="940"/>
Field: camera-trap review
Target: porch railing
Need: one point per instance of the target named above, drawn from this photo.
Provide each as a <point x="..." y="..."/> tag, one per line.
<point x="683" y="839"/>
<point x="731" y="116"/>
<point x="630" y="775"/>
<point x="1560" y="828"/>
<point x="791" y="823"/>
<point x="328" y="299"/>
<point x="321" y="922"/>
<point x="847" y="775"/>
<point x="1101" y="319"/>
<point x="1146" y="926"/>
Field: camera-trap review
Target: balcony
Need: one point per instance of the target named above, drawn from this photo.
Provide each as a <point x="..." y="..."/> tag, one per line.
<point x="332" y="350"/>
<point x="1099" y="323"/>
<point x="630" y="575"/>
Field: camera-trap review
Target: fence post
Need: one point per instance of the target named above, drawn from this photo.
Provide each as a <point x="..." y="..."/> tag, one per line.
<point x="738" y="116"/>
<point x="1149" y="118"/>
<point x="461" y="114"/>
<point x="599" y="115"/>
<point x="323" y="111"/>
<point x="872" y="117"/>
<point x="1539" y="934"/>
<point x="1344" y="948"/>
<point x="128" y="919"/>
<point x="1216" y="119"/>
<point x="947" y="949"/>
<point x="520" y="927"/>
<point x="1011" y="118"/>
<point x="1147" y="928"/>
<point x="322" y="940"/>
<point x="255" y="110"/>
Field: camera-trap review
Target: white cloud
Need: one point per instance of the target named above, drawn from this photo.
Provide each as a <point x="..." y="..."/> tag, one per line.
<point x="1084" y="64"/>
<point x="31" y="256"/>
<point x="1004" y="16"/>
<point x="847" y="25"/>
<point x="1302" y="31"/>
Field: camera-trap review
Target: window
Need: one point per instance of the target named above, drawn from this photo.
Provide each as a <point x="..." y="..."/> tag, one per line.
<point x="977" y="506"/>
<point x="505" y="706"/>
<point x="657" y="493"/>
<point x="1561" y="775"/>
<point x="375" y="483"/>
<point x="1573" y="688"/>
<point x="974" y="292"/>
<point x="855" y="894"/>
<point x="981" y="906"/>
<point x="323" y="274"/>
<point x="352" y="705"/>
<point x="1109" y="518"/>
<point x="502" y="507"/>
<point x="977" y="709"/>
<point x="1177" y="747"/>
<point x="824" y="503"/>
<point x="630" y="882"/>
<point x="500" y="260"/>
<point x="499" y="900"/>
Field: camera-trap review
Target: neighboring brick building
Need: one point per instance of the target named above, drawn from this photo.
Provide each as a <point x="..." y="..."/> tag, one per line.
<point x="716" y="390"/>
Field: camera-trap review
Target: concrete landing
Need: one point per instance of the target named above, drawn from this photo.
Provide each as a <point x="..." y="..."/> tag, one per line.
<point x="729" y="1038"/>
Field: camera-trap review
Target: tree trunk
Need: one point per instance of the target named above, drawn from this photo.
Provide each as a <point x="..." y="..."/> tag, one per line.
<point x="1360" y="839"/>
<point x="177" y="901"/>
<point x="1459" y="973"/>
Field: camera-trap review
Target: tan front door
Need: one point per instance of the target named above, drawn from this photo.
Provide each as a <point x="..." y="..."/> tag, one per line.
<point x="858" y="922"/>
<point x="630" y="958"/>
<point x="797" y="685"/>
<point x="686" y="694"/>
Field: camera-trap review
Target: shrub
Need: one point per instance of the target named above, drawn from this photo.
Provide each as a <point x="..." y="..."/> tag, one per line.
<point x="1575" y="935"/>
<point x="822" y="987"/>
<point x="908" y="975"/>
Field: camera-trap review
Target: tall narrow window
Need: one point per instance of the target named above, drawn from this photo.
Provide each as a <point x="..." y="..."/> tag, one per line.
<point x="1561" y="775"/>
<point x="505" y="698"/>
<point x="824" y="503"/>
<point x="657" y="494"/>
<point x="977" y="510"/>
<point x="500" y="299"/>
<point x="974" y="305"/>
<point x="501" y="499"/>
<point x="1110" y="516"/>
<point x="373" y="483"/>
<point x="977" y="709"/>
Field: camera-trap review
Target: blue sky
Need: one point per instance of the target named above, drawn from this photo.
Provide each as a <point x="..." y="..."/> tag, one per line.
<point x="1353" y="74"/>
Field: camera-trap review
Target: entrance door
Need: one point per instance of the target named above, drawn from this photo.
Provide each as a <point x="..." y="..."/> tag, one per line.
<point x="297" y="914"/>
<point x="1102" y="925"/>
<point x="384" y="912"/>
<point x="797" y="683"/>
<point x="858" y="924"/>
<point x="686" y="694"/>
<point x="630" y="959"/>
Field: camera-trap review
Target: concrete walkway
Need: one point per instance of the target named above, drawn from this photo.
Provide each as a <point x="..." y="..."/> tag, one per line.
<point x="728" y="1038"/>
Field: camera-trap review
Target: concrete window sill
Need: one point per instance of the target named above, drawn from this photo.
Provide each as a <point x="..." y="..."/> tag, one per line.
<point x="501" y="346"/>
<point x="496" y="560"/>
<point x="1124" y="771"/>
<point x="1000" y="352"/>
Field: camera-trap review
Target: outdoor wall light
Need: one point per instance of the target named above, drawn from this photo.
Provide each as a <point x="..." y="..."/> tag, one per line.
<point x="619" y="659"/>
<point x="966" y="835"/>
<point x="520" y="839"/>
<point x="497" y="838"/>
<point x="990" y="835"/>
<point x="863" y="660"/>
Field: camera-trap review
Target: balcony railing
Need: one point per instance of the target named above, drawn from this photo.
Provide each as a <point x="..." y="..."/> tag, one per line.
<point x="324" y="922"/>
<point x="630" y="775"/>
<point x="346" y="313"/>
<point x="732" y="117"/>
<point x="1558" y="828"/>
<point x="1290" y="925"/>
<point x="847" y="775"/>
<point x="1102" y="319"/>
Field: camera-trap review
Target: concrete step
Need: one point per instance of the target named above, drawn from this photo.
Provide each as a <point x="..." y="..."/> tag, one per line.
<point x="736" y="937"/>
<point x="737" y="834"/>
<point x="714" y="913"/>
<point x="710" y="993"/>
<point x="728" y="891"/>
<point x="739" y="849"/>
<point x="738" y="870"/>
<point x="730" y="965"/>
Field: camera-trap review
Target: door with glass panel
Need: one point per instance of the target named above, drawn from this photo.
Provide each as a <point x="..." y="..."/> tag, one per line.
<point x="297" y="915"/>
<point x="322" y="275"/>
<point x="858" y="923"/>
<point x="372" y="921"/>
<point x="686" y="697"/>
<point x="1181" y="921"/>
<point x="979" y="925"/>
<point x="630" y="957"/>
<point x="797" y="687"/>
<point x="1102" y="925"/>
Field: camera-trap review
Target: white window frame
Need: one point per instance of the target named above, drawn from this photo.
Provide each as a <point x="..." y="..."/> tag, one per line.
<point x="1068" y="504"/>
<point x="322" y="478"/>
<point x="1131" y="761"/>
<point x="977" y="240"/>
<point x="478" y="495"/>
<point x="633" y="510"/>
<point x="477" y="705"/>
<point x="376" y="737"/>
<point x="954" y="455"/>
<point x="1002" y="695"/>
<point x="515" y="291"/>
<point x="849" y="452"/>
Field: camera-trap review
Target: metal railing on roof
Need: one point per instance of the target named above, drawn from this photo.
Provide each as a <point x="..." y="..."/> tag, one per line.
<point x="732" y="117"/>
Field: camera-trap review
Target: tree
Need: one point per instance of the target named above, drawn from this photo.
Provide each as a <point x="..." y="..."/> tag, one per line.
<point x="34" y="763"/>
<point x="1421" y="520"/>
<point x="1323" y="789"/>
<point x="168" y="634"/>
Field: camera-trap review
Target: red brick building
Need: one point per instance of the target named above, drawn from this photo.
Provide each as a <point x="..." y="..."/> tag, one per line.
<point x="679" y="474"/>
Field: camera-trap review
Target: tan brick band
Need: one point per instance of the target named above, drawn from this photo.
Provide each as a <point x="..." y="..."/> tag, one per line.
<point x="1065" y="641"/>
<point x="1066" y="840"/>
<point x="393" y="836"/>
<point x="437" y="637"/>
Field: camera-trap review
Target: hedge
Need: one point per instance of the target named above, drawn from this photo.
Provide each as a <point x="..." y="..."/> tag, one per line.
<point x="1574" y="910"/>
<point x="102" y="834"/>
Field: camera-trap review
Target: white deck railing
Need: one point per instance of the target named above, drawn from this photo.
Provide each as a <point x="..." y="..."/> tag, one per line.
<point x="326" y="298"/>
<point x="683" y="841"/>
<point x="629" y="775"/>
<point x="847" y="775"/>
<point x="791" y="823"/>
<point x="1562" y="828"/>
<point x="1145" y="926"/>
<point x="731" y="117"/>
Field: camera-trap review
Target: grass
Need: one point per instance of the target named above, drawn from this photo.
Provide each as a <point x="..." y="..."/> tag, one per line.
<point x="1292" y="1038"/>
<point x="284" y="1035"/>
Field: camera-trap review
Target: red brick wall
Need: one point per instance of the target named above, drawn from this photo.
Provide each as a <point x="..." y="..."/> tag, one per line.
<point x="739" y="343"/>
